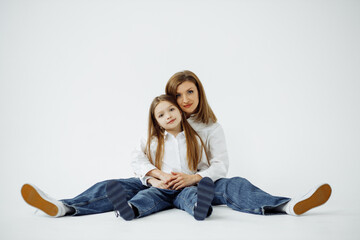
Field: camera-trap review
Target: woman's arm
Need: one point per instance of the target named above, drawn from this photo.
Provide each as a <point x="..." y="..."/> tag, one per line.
<point x="217" y="153"/>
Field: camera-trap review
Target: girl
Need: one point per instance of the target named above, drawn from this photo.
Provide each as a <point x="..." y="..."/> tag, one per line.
<point x="237" y="193"/>
<point x="172" y="145"/>
<point x="170" y="137"/>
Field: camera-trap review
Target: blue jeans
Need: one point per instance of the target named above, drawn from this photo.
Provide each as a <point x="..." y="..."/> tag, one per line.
<point x="154" y="200"/>
<point x="237" y="193"/>
<point x="94" y="200"/>
<point x="241" y="195"/>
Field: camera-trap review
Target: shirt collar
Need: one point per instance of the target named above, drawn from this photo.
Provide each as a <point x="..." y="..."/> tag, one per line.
<point x="167" y="134"/>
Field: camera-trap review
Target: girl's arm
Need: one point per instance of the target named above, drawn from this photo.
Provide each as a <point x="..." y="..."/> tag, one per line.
<point x="143" y="168"/>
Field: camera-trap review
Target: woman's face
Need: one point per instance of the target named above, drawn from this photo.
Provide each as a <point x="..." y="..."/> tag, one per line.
<point x="187" y="96"/>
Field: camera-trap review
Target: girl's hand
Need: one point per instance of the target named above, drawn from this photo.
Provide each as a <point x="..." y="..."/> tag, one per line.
<point x="158" y="183"/>
<point x="183" y="180"/>
<point x="165" y="177"/>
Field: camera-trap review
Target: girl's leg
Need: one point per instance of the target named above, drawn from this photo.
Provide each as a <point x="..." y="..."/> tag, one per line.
<point x="152" y="200"/>
<point x="240" y="195"/>
<point x="95" y="200"/>
<point x="197" y="200"/>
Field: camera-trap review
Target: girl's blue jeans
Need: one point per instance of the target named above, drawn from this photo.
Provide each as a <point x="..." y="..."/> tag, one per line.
<point x="237" y="193"/>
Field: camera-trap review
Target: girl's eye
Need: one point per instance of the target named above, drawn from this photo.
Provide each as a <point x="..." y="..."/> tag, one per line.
<point x="161" y="115"/>
<point x="172" y="109"/>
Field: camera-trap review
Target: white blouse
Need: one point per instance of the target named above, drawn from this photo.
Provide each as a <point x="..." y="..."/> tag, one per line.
<point x="175" y="160"/>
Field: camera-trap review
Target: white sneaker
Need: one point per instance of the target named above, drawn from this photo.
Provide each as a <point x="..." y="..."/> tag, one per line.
<point x="38" y="199"/>
<point x="314" y="198"/>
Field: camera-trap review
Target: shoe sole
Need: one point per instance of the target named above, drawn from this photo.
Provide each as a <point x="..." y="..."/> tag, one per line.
<point x="205" y="195"/>
<point x="319" y="197"/>
<point x="117" y="195"/>
<point x="33" y="198"/>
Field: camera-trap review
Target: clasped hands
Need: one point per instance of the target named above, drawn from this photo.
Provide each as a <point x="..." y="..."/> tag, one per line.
<point x="175" y="180"/>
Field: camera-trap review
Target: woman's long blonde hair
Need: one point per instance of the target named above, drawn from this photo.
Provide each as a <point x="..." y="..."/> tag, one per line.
<point x="193" y="150"/>
<point x="203" y="112"/>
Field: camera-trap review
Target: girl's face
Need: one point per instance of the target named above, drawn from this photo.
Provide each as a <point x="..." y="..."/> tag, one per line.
<point x="187" y="96"/>
<point x="168" y="116"/>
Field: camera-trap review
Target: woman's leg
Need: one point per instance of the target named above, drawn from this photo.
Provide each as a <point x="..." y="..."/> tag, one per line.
<point x="240" y="195"/>
<point x="95" y="200"/>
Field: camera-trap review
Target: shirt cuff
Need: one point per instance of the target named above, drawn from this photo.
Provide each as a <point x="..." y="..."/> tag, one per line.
<point x="147" y="168"/>
<point x="144" y="180"/>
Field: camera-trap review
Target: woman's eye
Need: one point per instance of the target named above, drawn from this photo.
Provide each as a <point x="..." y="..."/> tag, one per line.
<point x="190" y="91"/>
<point x="177" y="95"/>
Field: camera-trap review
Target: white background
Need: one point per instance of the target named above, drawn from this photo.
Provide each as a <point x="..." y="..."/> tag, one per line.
<point x="77" y="78"/>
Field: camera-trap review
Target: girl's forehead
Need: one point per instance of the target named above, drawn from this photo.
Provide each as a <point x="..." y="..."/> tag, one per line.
<point x="162" y="106"/>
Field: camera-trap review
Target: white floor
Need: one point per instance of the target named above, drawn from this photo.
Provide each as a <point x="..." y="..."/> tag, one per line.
<point x="326" y="222"/>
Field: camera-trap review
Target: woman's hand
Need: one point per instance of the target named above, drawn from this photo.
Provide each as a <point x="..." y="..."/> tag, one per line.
<point x="158" y="183"/>
<point x="182" y="180"/>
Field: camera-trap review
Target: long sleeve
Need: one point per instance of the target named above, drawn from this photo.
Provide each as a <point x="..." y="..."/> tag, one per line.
<point x="140" y="162"/>
<point x="217" y="153"/>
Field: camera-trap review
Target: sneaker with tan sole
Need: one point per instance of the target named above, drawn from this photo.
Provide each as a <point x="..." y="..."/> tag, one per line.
<point x="38" y="199"/>
<point x="314" y="198"/>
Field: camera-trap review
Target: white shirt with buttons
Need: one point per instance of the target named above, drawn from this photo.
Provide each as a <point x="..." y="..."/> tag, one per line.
<point x="175" y="160"/>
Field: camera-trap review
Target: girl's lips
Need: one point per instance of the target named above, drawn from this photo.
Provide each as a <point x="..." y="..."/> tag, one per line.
<point x="171" y="121"/>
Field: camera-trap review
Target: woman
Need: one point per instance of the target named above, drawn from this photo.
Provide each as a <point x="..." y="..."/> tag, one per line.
<point x="237" y="193"/>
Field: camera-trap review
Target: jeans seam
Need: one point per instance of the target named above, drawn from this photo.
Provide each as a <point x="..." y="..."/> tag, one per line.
<point x="90" y="201"/>
<point x="228" y="199"/>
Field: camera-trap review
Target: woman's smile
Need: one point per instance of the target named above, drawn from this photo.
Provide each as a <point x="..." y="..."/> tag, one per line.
<point x="187" y="105"/>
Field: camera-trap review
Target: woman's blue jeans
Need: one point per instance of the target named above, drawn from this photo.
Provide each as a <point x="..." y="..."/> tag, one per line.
<point x="94" y="200"/>
<point x="237" y="193"/>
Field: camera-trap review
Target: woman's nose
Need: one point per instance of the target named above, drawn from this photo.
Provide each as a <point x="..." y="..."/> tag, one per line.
<point x="185" y="99"/>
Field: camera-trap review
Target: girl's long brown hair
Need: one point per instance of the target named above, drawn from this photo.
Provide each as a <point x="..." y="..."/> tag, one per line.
<point x="204" y="112"/>
<point x="193" y="150"/>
